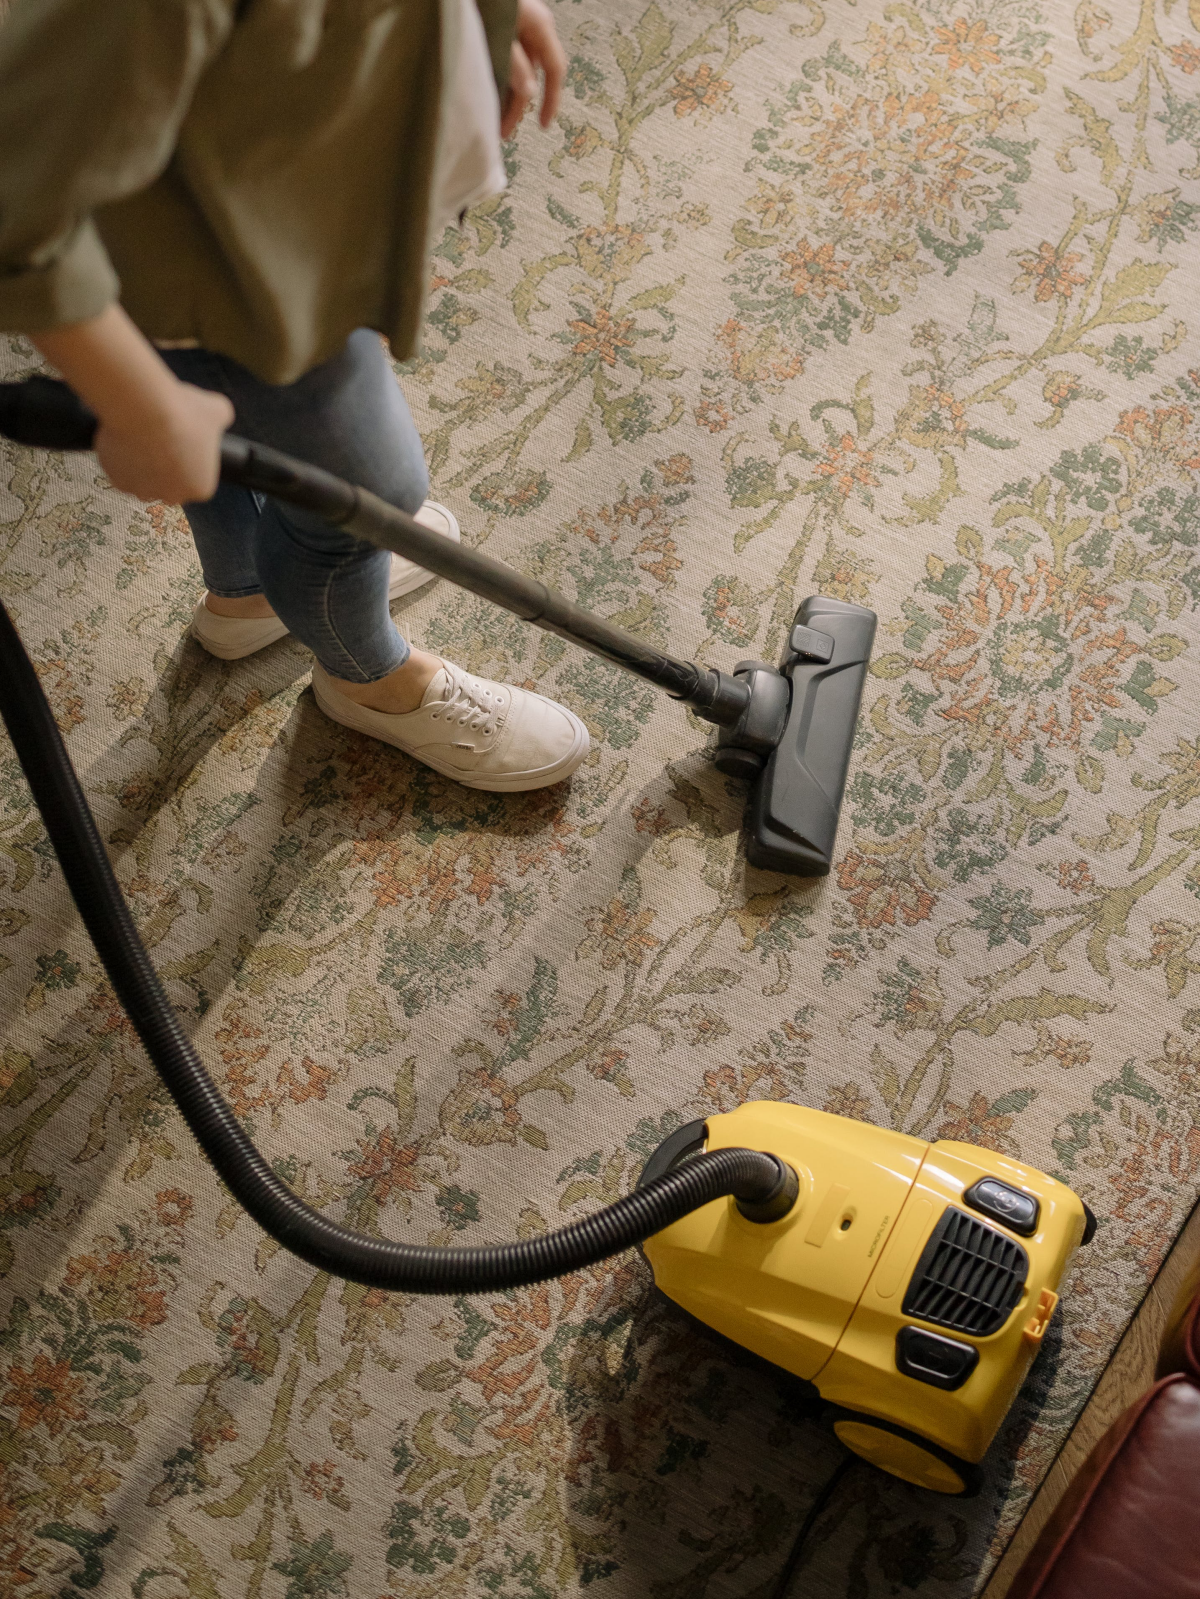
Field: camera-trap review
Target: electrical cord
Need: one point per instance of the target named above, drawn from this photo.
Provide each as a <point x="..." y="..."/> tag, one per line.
<point x="815" y="1511"/>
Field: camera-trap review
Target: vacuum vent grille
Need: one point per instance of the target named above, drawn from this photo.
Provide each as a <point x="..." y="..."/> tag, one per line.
<point x="968" y="1278"/>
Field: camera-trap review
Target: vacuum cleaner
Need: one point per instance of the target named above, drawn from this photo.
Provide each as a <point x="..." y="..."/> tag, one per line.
<point x="906" y="1285"/>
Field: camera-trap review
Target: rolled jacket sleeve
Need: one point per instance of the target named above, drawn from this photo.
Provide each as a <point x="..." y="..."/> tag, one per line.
<point x="91" y="100"/>
<point x="70" y="280"/>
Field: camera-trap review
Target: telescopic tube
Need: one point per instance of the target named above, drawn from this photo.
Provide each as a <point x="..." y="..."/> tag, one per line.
<point x="714" y="695"/>
<point x="44" y="412"/>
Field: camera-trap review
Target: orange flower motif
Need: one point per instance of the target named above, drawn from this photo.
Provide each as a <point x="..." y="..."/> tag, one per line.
<point x="213" y="1426"/>
<point x="166" y="522"/>
<point x="726" y="612"/>
<point x="774" y="207"/>
<point x="120" y="1286"/>
<point x="12" y="1549"/>
<point x="972" y="1124"/>
<point x="845" y="465"/>
<point x="483" y="1109"/>
<point x="240" y="1056"/>
<point x="173" y="1208"/>
<point x="530" y="490"/>
<point x="667" y="563"/>
<point x="933" y="418"/>
<point x="1075" y="875"/>
<point x="1185" y="56"/>
<point x="814" y="272"/>
<point x="1051" y="272"/>
<point x="1180" y="1063"/>
<point x="844" y="577"/>
<point x="582" y="142"/>
<point x="608" y="1067"/>
<point x="967" y="44"/>
<point x="702" y="91"/>
<point x="1069" y="1052"/>
<point x="504" y="1023"/>
<point x="996" y="102"/>
<point x="386" y="1165"/>
<point x="1155" y="1171"/>
<point x="880" y="894"/>
<point x="111" y="1018"/>
<point x="1061" y="388"/>
<point x="319" y="1480"/>
<point x="714" y="416"/>
<point x="848" y="1100"/>
<point x="47" y="1392"/>
<point x="603" y="336"/>
<point x="1164" y="434"/>
<point x="314" y="1084"/>
<point x="896" y="50"/>
<point x="650" y="818"/>
<point x="251" y="1354"/>
<point x="389" y="889"/>
<point x="727" y="1087"/>
<point x="1090" y="19"/>
<point x="59" y="686"/>
<point x="619" y="934"/>
<point x="897" y="158"/>
<point x="676" y="469"/>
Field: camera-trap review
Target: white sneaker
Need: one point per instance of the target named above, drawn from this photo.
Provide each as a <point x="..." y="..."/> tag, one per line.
<point x="233" y="637"/>
<point x="483" y="734"/>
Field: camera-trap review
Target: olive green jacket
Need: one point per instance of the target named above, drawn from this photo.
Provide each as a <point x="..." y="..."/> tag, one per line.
<point x="252" y="174"/>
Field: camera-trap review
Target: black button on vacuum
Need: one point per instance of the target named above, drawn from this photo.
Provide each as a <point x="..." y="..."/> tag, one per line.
<point x="811" y="643"/>
<point x="1009" y="1206"/>
<point x="929" y="1357"/>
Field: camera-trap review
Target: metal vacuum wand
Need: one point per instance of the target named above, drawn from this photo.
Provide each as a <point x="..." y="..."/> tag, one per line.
<point x="46" y="413"/>
<point x="788" y="730"/>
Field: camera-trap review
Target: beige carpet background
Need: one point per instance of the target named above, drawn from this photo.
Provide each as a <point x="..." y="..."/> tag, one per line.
<point x="892" y="301"/>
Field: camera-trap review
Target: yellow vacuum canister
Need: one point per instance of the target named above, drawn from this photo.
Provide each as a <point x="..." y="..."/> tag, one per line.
<point x="910" y="1283"/>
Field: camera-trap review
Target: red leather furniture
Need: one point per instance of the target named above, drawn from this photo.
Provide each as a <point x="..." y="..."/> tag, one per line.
<point x="1128" y="1527"/>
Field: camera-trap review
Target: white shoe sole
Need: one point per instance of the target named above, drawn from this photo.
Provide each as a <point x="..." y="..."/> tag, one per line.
<point x="406" y="578"/>
<point x="362" y="720"/>
<point x="226" y="649"/>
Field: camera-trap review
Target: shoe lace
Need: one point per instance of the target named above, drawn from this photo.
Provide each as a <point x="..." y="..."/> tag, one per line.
<point x="470" y="703"/>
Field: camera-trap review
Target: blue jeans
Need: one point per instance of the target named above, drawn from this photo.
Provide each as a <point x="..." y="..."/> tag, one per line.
<point x="348" y="416"/>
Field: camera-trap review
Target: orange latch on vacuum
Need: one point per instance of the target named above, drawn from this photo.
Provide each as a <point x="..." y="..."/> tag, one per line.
<point x="1036" y="1326"/>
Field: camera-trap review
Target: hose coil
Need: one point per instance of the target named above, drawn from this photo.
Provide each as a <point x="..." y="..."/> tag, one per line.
<point x="748" y="1175"/>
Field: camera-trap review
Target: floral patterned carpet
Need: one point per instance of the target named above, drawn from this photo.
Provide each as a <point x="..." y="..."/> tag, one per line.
<point x="889" y="301"/>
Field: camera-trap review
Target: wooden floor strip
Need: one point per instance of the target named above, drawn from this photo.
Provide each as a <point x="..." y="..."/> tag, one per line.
<point x="1128" y="1374"/>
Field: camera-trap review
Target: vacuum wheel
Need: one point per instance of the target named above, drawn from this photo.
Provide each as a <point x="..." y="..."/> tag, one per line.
<point x="905" y="1454"/>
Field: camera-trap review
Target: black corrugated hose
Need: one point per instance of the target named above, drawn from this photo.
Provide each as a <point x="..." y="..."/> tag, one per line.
<point x="752" y="1177"/>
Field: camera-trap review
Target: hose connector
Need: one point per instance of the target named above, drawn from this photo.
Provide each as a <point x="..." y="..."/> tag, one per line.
<point x="717" y="696"/>
<point x="777" y="1201"/>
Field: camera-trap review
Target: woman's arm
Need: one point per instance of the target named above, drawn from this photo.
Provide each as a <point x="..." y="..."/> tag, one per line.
<point x="91" y="99"/>
<point x="158" y="438"/>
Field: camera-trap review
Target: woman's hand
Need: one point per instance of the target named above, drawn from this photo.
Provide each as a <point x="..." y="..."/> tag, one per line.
<point x="157" y="438"/>
<point x="536" y="45"/>
<point x="173" y="451"/>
